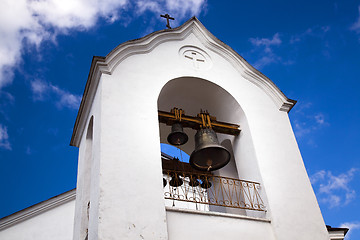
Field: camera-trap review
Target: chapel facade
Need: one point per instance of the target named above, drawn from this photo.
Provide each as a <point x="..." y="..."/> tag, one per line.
<point x="245" y="178"/>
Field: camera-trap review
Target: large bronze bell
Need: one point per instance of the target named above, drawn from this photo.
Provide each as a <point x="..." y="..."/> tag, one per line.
<point x="208" y="155"/>
<point x="177" y="136"/>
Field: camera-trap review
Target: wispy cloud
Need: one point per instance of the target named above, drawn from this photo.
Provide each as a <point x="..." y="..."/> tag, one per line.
<point x="306" y="121"/>
<point x="283" y="48"/>
<point x="4" y="138"/>
<point x="352" y="226"/>
<point x="28" y="151"/>
<point x="39" y="89"/>
<point x="314" y="35"/>
<point x="179" y="8"/>
<point x="43" y="20"/>
<point x="266" y="42"/>
<point x="356" y="25"/>
<point x="63" y="99"/>
<point x="265" y="45"/>
<point x="320" y="119"/>
<point x="313" y="32"/>
<point x="306" y="124"/>
<point x="334" y="190"/>
<point x="6" y="100"/>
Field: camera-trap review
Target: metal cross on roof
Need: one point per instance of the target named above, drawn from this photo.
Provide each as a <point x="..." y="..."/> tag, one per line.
<point x="167" y="16"/>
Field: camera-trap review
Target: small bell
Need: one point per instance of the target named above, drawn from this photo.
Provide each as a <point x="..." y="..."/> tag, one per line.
<point x="208" y="155"/>
<point x="205" y="182"/>
<point x="177" y="136"/>
<point x="176" y="181"/>
<point x="193" y="182"/>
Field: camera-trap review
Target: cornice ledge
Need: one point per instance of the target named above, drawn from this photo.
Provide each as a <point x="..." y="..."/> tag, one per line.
<point x="37" y="209"/>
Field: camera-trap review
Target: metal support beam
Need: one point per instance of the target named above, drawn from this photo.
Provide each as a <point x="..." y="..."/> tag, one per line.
<point x="202" y="120"/>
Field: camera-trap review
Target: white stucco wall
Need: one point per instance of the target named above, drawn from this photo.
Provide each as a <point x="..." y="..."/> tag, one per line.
<point x="55" y="224"/>
<point x="193" y="225"/>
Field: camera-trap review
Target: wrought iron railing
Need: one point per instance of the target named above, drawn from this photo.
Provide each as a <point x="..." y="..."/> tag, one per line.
<point x="207" y="189"/>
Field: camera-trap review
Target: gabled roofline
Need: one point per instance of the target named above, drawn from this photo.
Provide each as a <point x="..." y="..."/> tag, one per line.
<point x="37" y="209"/>
<point x="106" y="65"/>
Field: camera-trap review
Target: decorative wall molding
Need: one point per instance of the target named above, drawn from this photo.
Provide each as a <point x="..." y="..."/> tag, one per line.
<point x="37" y="209"/>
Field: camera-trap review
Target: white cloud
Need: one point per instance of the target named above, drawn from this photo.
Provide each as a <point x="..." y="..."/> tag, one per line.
<point x="318" y="176"/>
<point x="64" y="99"/>
<point x="27" y="23"/>
<point x="28" y="150"/>
<point x="81" y="14"/>
<point x="178" y="8"/>
<point x="266" y="60"/>
<point x="4" y="138"/>
<point x="301" y="128"/>
<point x="266" y="42"/>
<point x="356" y="25"/>
<point x="39" y="89"/>
<point x="331" y="200"/>
<point x="283" y="49"/>
<point x="350" y="195"/>
<point x="152" y="6"/>
<point x="182" y="8"/>
<point x="319" y="118"/>
<point x="6" y="101"/>
<point x="334" y="190"/>
<point x="32" y="22"/>
<point x="351" y="226"/>
<point x="305" y="121"/>
<point x="265" y="45"/>
<point x="315" y="32"/>
<point x="337" y="182"/>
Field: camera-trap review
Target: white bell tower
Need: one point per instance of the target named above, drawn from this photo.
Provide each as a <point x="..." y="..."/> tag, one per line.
<point x="120" y="186"/>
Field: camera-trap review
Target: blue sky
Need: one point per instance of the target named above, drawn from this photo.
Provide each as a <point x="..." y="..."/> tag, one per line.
<point x="309" y="49"/>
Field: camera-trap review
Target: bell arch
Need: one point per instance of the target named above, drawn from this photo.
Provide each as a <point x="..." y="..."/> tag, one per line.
<point x="193" y="94"/>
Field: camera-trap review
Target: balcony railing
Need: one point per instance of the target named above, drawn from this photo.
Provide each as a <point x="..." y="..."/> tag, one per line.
<point x="207" y="189"/>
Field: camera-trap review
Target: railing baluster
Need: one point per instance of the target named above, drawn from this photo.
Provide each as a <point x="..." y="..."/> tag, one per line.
<point x="226" y="192"/>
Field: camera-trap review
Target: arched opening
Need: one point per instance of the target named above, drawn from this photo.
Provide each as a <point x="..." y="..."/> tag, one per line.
<point x="194" y="94"/>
